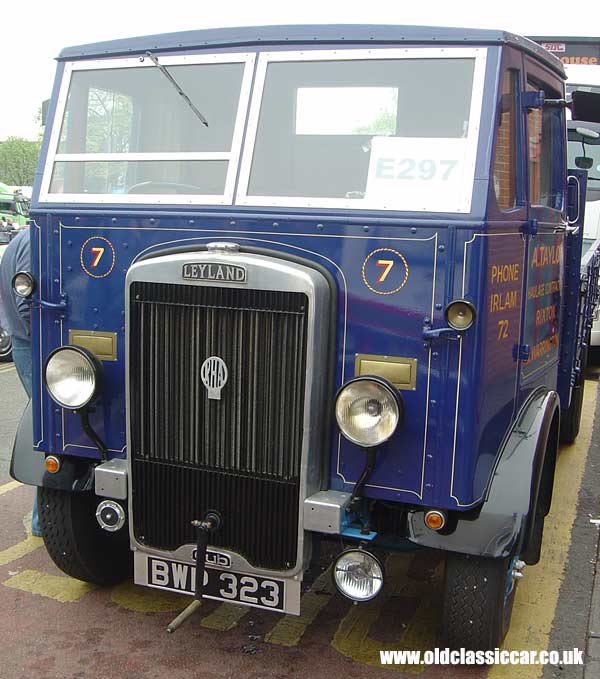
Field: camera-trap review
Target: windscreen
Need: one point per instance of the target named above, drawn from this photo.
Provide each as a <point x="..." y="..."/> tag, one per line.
<point x="386" y="129"/>
<point x="583" y="152"/>
<point x="7" y="206"/>
<point x="585" y="155"/>
<point x="141" y="130"/>
<point x="394" y="133"/>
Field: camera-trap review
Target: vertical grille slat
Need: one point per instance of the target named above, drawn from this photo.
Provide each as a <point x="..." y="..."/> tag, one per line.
<point x="240" y="455"/>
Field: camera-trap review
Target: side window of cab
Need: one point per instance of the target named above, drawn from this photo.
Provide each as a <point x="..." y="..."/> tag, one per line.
<point x="505" y="153"/>
<point x="545" y="151"/>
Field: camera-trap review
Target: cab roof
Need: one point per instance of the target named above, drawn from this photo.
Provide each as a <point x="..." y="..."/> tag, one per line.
<point x="295" y="35"/>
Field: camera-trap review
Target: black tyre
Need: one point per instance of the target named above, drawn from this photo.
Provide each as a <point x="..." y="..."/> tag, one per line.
<point x="594" y="355"/>
<point x="75" y="541"/>
<point x="5" y="346"/>
<point x="570" y="419"/>
<point x="478" y="600"/>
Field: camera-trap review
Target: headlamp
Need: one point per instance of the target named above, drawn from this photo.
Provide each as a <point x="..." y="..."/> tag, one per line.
<point x="358" y="575"/>
<point x="23" y="283"/>
<point x="72" y="376"/>
<point x="368" y="411"/>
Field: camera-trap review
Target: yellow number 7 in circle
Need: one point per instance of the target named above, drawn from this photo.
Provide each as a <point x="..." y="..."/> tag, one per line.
<point x="98" y="252"/>
<point x="387" y="264"/>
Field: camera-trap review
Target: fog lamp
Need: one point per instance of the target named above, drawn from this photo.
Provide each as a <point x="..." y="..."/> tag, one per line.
<point x="72" y="376"/>
<point x="368" y="411"/>
<point x="358" y="575"/>
<point x="23" y="283"/>
<point x="460" y="315"/>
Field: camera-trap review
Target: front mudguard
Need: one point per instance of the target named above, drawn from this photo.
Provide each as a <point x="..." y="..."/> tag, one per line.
<point x="27" y="465"/>
<point x="504" y="523"/>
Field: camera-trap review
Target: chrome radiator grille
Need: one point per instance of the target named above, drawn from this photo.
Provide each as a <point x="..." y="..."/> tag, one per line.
<point x="240" y="455"/>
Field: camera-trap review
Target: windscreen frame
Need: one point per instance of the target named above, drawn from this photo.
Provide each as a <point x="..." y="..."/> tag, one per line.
<point x="464" y="204"/>
<point x="232" y="157"/>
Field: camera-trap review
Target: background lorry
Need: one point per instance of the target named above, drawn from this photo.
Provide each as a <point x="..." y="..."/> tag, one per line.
<point x="14" y="206"/>
<point x="297" y="284"/>
<point x="581" y="58"/>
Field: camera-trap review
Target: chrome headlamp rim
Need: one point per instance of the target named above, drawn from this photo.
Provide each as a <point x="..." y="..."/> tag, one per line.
<point x="362" y="552"/>
<point x="393" y="392"/>
<point x="468" y="304"/>
<point x="95" y="366"/>
<point x="31" y="281"/>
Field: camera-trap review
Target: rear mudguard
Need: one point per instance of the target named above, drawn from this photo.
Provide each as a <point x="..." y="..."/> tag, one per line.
<point x="504" y="524"/>
<point x="27" y="465"/>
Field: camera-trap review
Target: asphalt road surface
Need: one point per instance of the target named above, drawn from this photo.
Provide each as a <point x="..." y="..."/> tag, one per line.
<point x="53" y="626"/>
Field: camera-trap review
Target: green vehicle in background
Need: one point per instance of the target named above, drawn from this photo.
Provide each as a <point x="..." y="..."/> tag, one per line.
<point x="14" y="206"/>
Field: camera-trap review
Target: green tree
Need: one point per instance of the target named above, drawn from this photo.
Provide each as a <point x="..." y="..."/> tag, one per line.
<point x="18" y="159"/>
<point x="384" y="124"/>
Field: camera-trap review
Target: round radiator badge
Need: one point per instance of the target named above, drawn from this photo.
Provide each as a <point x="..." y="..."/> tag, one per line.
<point x="385" y="271"/>
<point x="97" y="257"/>
<point x="214" y="376"/>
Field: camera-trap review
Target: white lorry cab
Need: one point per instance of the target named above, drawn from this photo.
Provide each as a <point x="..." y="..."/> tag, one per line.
<point x="581" y="60"/>
<point x="584" y="152"/>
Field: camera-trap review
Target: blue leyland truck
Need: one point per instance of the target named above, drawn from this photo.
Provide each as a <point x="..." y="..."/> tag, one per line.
<point x="297" y="284"/>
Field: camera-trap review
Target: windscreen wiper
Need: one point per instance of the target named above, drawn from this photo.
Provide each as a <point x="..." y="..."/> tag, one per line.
<point x="175" y="84"/>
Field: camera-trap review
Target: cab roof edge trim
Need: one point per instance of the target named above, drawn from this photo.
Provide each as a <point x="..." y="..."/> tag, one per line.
<point x="309" y="34"/>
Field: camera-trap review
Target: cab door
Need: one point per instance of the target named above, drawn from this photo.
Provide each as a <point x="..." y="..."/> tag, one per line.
<point x="546" y="187"/>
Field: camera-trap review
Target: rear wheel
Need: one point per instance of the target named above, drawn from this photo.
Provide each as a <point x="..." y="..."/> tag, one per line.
<point x="478" y="600"/>
<point x="75" y="541"/>
<point x="571" y="418"/>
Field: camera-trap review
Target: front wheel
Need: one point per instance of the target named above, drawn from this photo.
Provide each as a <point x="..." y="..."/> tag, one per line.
<point x="75" y="541"/>
<point x="478" y="600"/>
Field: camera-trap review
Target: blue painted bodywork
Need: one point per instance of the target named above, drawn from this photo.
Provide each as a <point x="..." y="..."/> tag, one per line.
<point x="468" y="390"/>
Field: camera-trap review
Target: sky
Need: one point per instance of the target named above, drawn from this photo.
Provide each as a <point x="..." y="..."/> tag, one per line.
<point x="35" y="33"/>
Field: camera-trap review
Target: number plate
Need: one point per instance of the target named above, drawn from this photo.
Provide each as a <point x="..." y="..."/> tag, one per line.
<point x="222" y="585"/>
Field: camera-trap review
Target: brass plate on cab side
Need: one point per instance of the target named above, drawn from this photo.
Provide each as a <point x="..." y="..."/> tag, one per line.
<point x="102" y="344"/>
<point x="401" y="372"/>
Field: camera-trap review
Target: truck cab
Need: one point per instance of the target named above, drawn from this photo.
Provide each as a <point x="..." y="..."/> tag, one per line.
<point x="584" y="153"/>
<point x="303" y="284"/>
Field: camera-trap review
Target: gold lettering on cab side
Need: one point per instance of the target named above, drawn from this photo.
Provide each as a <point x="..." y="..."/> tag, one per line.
<point x="504" y="282"/>
<point x="546" y="255"/>
<point x="544" y="347"/>
<point x="544" y="315"/>
<point x="543" y="299"/>
<point x="503" y="301"/>
<point x="507" y="273"/>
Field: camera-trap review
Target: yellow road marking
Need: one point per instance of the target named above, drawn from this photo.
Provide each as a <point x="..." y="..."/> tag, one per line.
<point x="537" y="594"/>
<point x="57" y="587"/>
<point x="225" y="617"/>
<point x="290" y="629"/>
<point x="146" y="600"/>
<point x="27" y="523"/>
<point x="533" y="611"/>
<point x="11" y="485"/>
<point x="19" y="550"/>
<point x="6" y="368"/>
